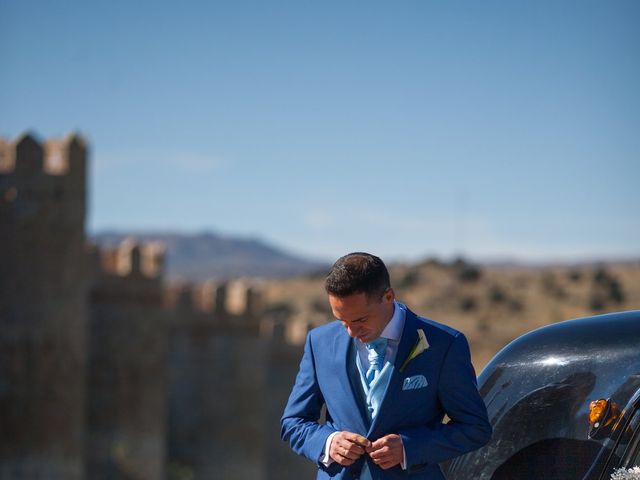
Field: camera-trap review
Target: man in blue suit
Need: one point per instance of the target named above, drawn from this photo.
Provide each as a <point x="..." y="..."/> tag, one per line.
<point x="387" y="378"/>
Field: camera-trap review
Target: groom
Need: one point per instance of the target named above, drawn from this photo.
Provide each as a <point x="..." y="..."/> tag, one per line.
<point x="387" y="378"/>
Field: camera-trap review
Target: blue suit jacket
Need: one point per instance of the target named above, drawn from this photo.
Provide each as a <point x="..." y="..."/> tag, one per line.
<point x="327" y="377"/>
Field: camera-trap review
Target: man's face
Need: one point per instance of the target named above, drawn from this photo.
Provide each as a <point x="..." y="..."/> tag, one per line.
<point x="363" y="317"/>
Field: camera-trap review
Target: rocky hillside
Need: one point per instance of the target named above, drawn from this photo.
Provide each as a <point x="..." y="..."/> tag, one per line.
<point x="492" y="305"/>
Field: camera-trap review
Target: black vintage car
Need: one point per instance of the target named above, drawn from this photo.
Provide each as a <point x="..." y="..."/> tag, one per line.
<point x="564" y="402"/>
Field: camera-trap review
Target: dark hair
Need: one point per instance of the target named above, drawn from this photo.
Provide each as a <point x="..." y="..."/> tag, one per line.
<point x="357" y="272"/>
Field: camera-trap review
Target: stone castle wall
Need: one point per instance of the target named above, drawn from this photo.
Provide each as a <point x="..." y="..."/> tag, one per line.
<point x="104" y="373"/>
<point x="224" y="402"/>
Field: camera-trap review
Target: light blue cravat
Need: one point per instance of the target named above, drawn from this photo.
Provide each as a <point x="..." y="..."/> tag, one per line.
<point x="374" y="390"/>
<point x="374" y="381"/>
<point x="376" y="351"/>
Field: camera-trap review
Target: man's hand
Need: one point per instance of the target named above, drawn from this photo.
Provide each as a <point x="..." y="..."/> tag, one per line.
<point x="347" y="447"/>
<point x="387" y="451"/>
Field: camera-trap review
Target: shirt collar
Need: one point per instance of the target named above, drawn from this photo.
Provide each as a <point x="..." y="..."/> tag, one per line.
<point x="393" y="330"/>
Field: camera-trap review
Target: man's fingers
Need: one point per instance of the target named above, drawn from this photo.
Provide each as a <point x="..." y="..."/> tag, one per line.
<point x="351" y="454"/>
<point x="375" y="447"/>
<point x="378" y="444"/>
<point x="379" y="453"/>
<point x="386" y="452"/>
<point x="352" y="450"/>
<point x="347" y="454"/>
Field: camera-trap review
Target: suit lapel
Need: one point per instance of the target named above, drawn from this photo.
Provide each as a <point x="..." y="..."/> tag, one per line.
<point x="349" y="378"/>
<point x="407" y="341"/>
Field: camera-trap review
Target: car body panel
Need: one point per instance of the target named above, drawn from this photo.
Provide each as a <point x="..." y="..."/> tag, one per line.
<point x="538" y="389"/>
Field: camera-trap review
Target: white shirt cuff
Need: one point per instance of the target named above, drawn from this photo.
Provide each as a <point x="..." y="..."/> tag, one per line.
<point x="326" y="459"/>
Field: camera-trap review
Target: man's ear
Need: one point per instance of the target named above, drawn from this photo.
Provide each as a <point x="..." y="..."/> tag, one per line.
<point x="389" y="296"/>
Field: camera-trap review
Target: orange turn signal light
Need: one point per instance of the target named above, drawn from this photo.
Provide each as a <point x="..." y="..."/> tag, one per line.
<point x="597" y="409"/>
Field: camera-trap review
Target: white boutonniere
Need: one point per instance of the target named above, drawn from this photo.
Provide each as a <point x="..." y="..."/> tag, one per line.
<point x="626" y="474"/>
<point x="420" y="346"/>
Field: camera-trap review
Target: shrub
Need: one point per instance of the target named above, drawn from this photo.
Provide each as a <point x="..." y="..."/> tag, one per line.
<point x="496" y="294"/>
<point x="575" y="276"/>
<point x="468" y="304"/>
<point x="616" y="295"/>
<point x="409" y="279"/>
<point x="596" y="302"/>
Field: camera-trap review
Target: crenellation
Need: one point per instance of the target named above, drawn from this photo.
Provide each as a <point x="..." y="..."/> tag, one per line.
<point x="152" y="259"/>
<point x="61" y="157"/>
<point x="35" y="185"/>
<point x="128" y="258"/>
<point x="107" y="259"/>
<point x="236" y="296"/>
<point x="206" y="296"/>
<point x="132" y="259"/>
<point x="243" y="299"/>
<point x="54" y="157"/>
<point x="75" y="155"/>
<point x="29" y="156"/>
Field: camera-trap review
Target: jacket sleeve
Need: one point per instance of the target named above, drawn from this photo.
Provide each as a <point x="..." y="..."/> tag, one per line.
<point x="300" y="422"/>
<point x="468" y="428"/>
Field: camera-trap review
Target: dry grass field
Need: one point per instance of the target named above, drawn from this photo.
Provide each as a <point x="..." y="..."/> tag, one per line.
<point x="492" y="305"/>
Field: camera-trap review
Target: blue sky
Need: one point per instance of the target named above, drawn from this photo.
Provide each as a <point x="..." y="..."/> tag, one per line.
<point x="406" y="128"/>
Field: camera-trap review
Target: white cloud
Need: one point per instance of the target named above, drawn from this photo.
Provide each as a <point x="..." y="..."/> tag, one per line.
<point x="319" y="220"/>
<point x="178" y="160"/>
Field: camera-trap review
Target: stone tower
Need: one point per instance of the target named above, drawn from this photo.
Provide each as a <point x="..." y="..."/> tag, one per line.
<point x="43" y="307"/>
<point x="126" y="387"/>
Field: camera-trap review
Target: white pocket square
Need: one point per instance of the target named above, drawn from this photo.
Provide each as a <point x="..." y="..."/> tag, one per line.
<point x="417" y="381"/>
